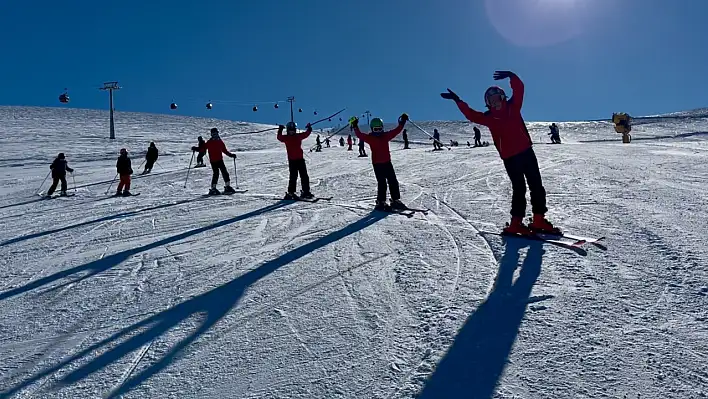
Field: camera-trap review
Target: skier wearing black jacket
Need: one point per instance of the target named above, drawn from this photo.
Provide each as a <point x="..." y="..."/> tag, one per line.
<point x="201" y="151"/>
<point x="124" y="170"/>
<point x="59" y="168"/>
<point x="150" y="158"/>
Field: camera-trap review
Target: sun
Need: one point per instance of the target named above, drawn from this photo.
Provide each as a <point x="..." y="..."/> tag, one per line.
<point x="537" y="23"/>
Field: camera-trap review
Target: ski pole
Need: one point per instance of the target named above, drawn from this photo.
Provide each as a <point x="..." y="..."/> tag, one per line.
<point x="235" y="174"/>
<point x="158" y="164"/>
<point x="188" y="168"/>
<point x="109" y="186"/>
<point x="73" y="179"/>
<point x="429" y="135"/>
<point x="45" y="179"/>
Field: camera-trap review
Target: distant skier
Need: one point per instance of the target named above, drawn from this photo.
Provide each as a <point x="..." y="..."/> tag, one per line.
<point x="318" y="144"/>
<point x="150" y="158"/>
<point x="362" y="149"/>
<point x="327" y="141"/>
<point x="354" y="140"/>
<point x="201" y="150"/>
<point x="405" y="140"/>
<point x="341" y="141"/>
<point x="349" y="142"/>
<point x="378" y="141"/>
<point x="513" y="142"/>
<point x="59" y="168"/>
<point x="124" y="170"/>
<point x="216" y="148"/>
<point x="296" y="160"/>
<point x="437" y="145"/>
<point x="477" y="137"/>
<point x="555" y="134"/>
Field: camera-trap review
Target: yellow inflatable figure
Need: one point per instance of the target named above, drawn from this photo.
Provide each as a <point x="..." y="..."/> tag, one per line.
<point x="623" y="125"/>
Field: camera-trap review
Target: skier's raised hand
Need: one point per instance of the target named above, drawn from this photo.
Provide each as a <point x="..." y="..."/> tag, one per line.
<point x="403" y="119"/>
<point x="499" y="75"/>
<point x="354" y="122"/>
<point x="450" y="95"/>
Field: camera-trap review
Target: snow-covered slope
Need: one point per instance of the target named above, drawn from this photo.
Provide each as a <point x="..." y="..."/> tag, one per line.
<point x="173" y="295"/>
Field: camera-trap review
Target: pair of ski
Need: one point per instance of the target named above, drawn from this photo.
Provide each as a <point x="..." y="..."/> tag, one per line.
<point x="44" y="196"/>
<point x="219" y="193"/>
<point x="562" y="239"/>
<point x="408" y="212"/>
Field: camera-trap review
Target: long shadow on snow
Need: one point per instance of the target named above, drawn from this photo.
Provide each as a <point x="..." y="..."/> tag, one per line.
<point x="474" y="364"/>
<point x="99" y="220"/>
<point x="212" y="305"/>
<point x="100" y="265"/>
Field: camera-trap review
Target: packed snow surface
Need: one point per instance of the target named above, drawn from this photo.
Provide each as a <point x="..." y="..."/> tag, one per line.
<point x="176" y="295"/>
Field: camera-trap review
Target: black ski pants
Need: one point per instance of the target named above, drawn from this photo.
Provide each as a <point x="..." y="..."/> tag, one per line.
<point x="522" y="169"/>
<point x="386" y="177"/>
<point x="217" y="166"/>
<point x="298" y="167"/>
<point x="200" y="158"/>
<point x="149" y="163"/>
<point x="55" y="183"/>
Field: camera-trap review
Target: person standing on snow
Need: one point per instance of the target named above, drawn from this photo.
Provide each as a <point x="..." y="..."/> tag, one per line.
<point x="318" y="144"/>
<point x="150" y="158"/>
<point x="59" y="168"/>
<point x="477" y="137"/>
<point x="327" y="140"/>
<point x="216" y="148"/>
<point x="362" y="149"/>
<point x="513" y="142"/>
<point x="405" y="140"/>
<point x="378" y="141"/>
<point x="341" y="141"/>
<point x="437" y="145"/>
<point x="200" y="148"/>
<point x="555" y="133"/>
<point x="296" y="159"/>
<point x="124" y="170"/>
<point x="349" y="142"/>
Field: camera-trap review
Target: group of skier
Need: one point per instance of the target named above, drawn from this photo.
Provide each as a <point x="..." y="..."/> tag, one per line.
<point x="503" y="119"/>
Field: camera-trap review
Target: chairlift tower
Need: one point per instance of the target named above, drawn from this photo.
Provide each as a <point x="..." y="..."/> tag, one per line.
<point x="110" y="86"/>
<point x="291" y="100"/>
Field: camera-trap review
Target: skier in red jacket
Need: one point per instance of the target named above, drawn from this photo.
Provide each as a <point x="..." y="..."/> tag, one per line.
<point x="215" y="147"/>
<point x="513" y="142"/>
<point x="296" y="160"/>
<point x="378" y="141"/>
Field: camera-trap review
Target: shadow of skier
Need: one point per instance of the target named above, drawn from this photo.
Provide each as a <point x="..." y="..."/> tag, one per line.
<point x="212" y="306"/>
<point x="475" y="362"/>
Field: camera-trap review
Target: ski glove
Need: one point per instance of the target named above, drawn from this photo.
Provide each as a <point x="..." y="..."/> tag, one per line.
<point x="354" y="122"/>
<point x="450" y="95"/>
<point x="403" y="119"/>
<point x="499" y="75"/>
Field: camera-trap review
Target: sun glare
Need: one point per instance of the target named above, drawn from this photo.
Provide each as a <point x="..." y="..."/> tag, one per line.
<point x="537" y="23"/>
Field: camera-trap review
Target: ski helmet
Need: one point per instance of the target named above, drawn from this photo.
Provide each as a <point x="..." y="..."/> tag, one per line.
<point x="214" y="133"/>
<point x="200" y="138"/>
<point x="377" y="125"/>
<point x="123" y="151"/>
<point x="492" y="91"/>
<point x="291" y="127"/>
<point x="61" y="155"/>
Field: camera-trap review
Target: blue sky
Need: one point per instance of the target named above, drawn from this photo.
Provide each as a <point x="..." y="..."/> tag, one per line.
<point x="387" y="56"/>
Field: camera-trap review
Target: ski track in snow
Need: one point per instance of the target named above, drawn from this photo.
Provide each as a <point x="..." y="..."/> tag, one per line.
<point x="174" y="294"/>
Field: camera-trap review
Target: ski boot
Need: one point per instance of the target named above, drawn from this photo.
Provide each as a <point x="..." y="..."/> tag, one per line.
<point x="382" y="206"/>
<point x="291" y="196"/>
<point x="306" y="195"/>
<point x="397" y="204"/>
<point x="214" y="191"/>
<point x="229" y="190"/>
<point x="126" y="193"/>
<point x="118" y="193"/>
<point x="516" y="227"/>
<point x="539" y="224"/>
<point x="62" y="194"/>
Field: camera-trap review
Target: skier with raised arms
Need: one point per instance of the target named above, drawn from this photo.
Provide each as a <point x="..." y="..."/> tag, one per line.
<point x="296" y="159"/>
<point x="378" y="141"/>
<point x="513" y="142"/>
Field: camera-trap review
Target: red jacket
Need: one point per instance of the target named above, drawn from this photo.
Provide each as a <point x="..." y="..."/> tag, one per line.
<point x="379" y="144"/>
<point x="508" y="128"/>
<point x="293" y="143"/>
<point x="216" y="147"/>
